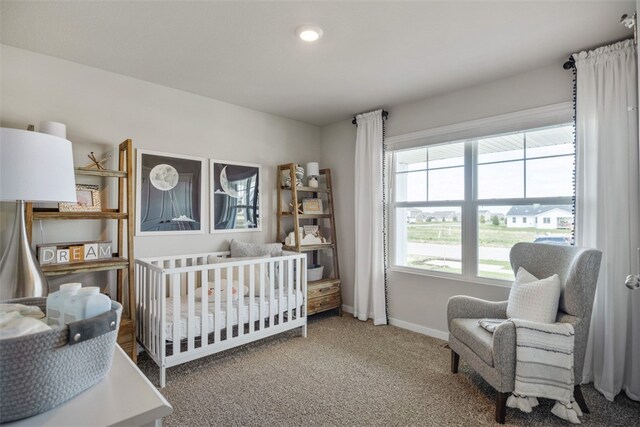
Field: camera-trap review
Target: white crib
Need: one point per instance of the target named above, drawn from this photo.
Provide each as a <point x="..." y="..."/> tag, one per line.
<point x="178" y="323"/>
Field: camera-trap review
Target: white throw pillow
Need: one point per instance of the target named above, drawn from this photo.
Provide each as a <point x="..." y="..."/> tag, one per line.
<point x="534" y="299"/>
<point x="247" y="271"/>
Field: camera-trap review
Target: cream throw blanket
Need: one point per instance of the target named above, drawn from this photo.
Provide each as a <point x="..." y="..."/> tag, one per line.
<point x="544" y="366"/>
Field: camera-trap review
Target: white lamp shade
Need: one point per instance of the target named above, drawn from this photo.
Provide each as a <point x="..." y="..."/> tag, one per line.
<point x="35" y="167"/>
<point x="313" y="169"/>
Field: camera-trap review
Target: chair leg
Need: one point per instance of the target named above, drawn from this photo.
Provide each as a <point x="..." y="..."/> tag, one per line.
<point x="501" y="406"/>
<point x="577" y="395"/>
<point x="455" y="361"/>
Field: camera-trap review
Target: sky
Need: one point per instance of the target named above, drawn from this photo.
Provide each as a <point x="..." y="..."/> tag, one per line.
<point x="439" y="170"/>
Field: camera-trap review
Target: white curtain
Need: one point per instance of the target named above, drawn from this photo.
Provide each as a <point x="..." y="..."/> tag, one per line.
<point x="607" y="210"/>
<point x="369" y="294"/>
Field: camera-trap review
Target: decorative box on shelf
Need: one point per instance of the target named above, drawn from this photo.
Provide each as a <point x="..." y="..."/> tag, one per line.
<point x="69" y="252"/>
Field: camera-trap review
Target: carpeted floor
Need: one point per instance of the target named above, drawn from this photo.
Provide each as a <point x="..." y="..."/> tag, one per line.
<point x="349" y="373"/>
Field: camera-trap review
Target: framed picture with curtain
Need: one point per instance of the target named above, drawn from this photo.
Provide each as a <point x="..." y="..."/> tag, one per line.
<point x="234" y="196"/>
<point x="169" y="196"/>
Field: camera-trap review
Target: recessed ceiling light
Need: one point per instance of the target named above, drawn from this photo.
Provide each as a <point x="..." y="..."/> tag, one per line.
<point x="309" y="33"/>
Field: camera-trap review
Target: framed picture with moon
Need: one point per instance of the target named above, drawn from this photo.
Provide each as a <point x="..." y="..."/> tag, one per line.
<point x="169" y="194"/>
<point x="235" y="196"/>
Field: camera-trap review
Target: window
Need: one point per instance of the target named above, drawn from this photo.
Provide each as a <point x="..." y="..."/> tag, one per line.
<point x="459" y="207"/>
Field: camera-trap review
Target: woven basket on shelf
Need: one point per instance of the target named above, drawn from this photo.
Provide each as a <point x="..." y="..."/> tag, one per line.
<point x="40" y="371"/>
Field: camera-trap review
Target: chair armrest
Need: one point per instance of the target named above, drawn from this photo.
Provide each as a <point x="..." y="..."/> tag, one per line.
<point x="464" y="307"/>
<point x="567" y="318"/>
<point x="504" y="352"/>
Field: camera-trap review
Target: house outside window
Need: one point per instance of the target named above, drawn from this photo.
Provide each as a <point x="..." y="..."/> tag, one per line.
<point x="474" y="190"/>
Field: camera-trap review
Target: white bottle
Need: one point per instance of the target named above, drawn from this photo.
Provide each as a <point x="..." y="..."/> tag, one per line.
<point x="88" y="302"/>
<point x="56" y="301"/>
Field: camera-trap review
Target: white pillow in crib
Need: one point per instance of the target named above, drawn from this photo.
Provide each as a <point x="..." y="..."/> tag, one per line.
<point x="244" y="249"/>
<point x="224" y="295"/>
<point x="247" y="271"/>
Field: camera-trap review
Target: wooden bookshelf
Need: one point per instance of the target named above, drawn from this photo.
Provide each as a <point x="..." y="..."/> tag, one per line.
<point x="325" y="294"/>
<point x="124" y="214"/>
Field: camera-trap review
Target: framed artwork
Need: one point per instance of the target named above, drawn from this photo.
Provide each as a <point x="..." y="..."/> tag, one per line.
<point x="169" y="196"/>
<point x="88" y="200"/>
<point x="312" y="206"/>
<point x="235" y="196"/>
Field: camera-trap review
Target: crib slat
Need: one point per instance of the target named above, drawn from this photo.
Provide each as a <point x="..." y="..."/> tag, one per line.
<point x="141" y="301"/>
<point x="281" y="275"/>
<point x="157" y="302"/>
<point x="163" y="309"/>
<point x="147" y="304"/>
<point x="299" y="267"/>
<point x="152" y="300"/>
<point x="204" y="308"/>
<point x="290" y="285"/>
<point x="241" y="319"/>
<point x="137" y="293"/>
<point x="252" y="294"/>
<point x="191" y="309"/>
<point x="216" y="306"/>
<point x="261" y="313"/>
<point x="272" y="293"/>
<point x="229" y="302"/>
<point x="175" y="286"/>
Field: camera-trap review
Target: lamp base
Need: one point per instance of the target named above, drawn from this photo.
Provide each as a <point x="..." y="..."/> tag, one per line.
<point x="313" y="182"/>
<point x="20" y="273"/>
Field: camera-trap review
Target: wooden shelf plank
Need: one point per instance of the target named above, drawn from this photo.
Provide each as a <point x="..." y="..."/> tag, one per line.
<point x="114" y="263"/>
<point x="307" y="216"/>
<point x="104" y="173"/>
<point x="307" y="248"/>
<point x="113" y="214"/>
<point x="322" y="282"/>
<point x="309" y="189"/>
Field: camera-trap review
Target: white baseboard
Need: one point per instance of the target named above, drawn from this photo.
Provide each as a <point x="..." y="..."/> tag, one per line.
<point x="409" y="326"/>
<point x="419" y="329"/>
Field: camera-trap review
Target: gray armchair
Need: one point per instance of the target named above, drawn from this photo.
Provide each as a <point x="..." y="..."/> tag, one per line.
<point x="493" y="355"/>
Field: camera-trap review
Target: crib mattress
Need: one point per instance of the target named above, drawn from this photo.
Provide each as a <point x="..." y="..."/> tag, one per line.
<point x="269" y="310"/>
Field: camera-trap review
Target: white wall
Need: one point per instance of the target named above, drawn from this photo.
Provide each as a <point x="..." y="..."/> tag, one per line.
<point x="418" y="301"/>
<point x="102" y="108"/>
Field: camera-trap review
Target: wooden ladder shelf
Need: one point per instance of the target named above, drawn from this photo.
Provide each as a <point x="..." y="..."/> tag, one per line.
<point x="123" y="264"/>
<point x="324" y="294"/>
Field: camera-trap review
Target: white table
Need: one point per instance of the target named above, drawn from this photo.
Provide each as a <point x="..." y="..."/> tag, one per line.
<point x="125" y="397"/>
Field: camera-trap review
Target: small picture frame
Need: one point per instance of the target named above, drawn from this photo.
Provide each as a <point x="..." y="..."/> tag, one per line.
<point x="88" y="200"/>
<point x="312" y="206"/>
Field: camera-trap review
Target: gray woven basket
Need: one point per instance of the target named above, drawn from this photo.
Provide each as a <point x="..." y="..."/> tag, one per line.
<point x="40" y="371"/>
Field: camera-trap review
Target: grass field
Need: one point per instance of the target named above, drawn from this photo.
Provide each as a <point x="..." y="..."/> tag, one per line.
<point x="489" y="235"/>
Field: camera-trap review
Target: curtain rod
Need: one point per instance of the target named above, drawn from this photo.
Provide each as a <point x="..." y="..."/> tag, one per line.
<point x="385" y="114"/>
<point x="630" y="22"/>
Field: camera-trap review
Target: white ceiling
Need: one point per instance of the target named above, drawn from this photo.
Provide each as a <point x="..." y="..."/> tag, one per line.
<point x="372" y="53"/>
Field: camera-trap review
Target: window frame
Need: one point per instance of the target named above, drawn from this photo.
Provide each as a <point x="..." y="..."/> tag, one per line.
<point x="469" y="132"/>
